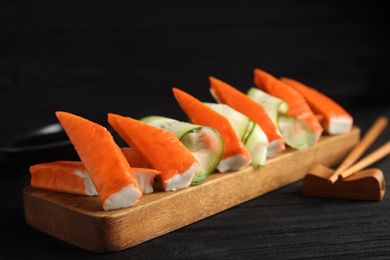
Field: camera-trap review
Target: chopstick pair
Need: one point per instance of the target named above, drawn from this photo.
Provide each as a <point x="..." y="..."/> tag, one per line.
<point x="346" y="168"/>
<point x="348" y="181"/>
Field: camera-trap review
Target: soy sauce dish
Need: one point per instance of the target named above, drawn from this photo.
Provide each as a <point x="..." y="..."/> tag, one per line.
<point x="45" y="144"/>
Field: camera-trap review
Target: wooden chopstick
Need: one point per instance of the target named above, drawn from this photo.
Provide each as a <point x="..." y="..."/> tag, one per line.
<point x="361" y="147"/>
<point x="379" y="153"/>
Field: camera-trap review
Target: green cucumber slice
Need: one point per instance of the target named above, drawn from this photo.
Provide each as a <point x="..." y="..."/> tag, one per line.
<point x="250" y="133"/>
<point x="295" y="132"/>
<point x="239" y="121"/>
<point x="205" y="143"/>
<point x="272" y="105"/>
<point x="256" y="142"/>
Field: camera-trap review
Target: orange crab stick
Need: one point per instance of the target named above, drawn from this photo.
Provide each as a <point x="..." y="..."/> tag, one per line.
<point x="227" y="94"/>
<point x="143" y="172"/>
<point x="145" y="178"/>
<point x="108" y="168"/>
<point x="297" y="104"/>
<point x="160" y="149"/>
<point x="235" y="155"/>
<point x="73" y="177"/>
<point x="63" y="176"/>
<point x="134" y="159"/>
<point x="334" y="118"/>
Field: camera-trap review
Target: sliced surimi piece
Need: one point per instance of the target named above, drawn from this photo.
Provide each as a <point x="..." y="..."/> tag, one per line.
<point x="227" y="94"/>
<point x="334" y="118"/>
<point x="72" y="177"/>
<point x="108" y="168"/>
<point x="145" y="178"/>
<point x="297" y="105"/>
<point x="63" y="176"/>
<point x="250" y="133"/>
<point x="161" y="150"/>
<point x="204" y="142"/>
<point x="134" y="159"/>
<point x="235" y="155"/>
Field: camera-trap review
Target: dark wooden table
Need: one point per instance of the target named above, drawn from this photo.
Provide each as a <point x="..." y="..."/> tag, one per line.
<point x="90" y="58"/>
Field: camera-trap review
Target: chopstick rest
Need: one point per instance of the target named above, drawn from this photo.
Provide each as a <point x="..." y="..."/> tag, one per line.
<point x="354" y="184"/>
<point x="363" y="185"/>
<point x="347" y="181"/>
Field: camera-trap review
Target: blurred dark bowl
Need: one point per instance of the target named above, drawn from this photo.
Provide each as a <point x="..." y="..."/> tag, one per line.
<point x="49" y="143"/>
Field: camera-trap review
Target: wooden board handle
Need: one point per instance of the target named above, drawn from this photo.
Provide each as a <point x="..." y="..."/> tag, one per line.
<point x="361" y="147"/>
<point x="379" y="153"/>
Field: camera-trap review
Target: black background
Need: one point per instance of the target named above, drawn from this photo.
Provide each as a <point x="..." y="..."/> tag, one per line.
<point x="91" y="58"/>
<point x="95" y="57"/>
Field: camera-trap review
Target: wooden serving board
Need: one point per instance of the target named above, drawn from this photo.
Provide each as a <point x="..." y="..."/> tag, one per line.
<point x="81" y="220"/>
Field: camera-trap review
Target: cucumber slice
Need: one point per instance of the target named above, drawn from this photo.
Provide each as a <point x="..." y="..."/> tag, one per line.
<point x="205" y="143"/>
<point x="256" y="142"/>
<point x="272" y="105"/>
<point x="295" y="132"/>
<point x="250" y="133"/>
<point x="239" y="121"/>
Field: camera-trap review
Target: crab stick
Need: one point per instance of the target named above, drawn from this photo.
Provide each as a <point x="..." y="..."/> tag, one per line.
<point x="63" y="176"/>
<point x="297" y="105"/>
<point x="205" y="143"/>
<point x="227" y="94"/>
<point x="108" y="168"/>
<point x="235" y="155"/>
<point x="160" y="149"/>
<point x="250" y="133"/>
<point x="134" y="159"/>
<point x="145" y="178"/>
<point x="334" y="118"/>
<point x="72" y="177"/>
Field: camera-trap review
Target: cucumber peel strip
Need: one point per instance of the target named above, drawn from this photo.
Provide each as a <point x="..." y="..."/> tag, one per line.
<point x="296" y="133"/>
<point x="250" y="133"/>
<point x="239" y="121"/>
<point x="272" y="105"/>
<point x="256" y="142"/>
